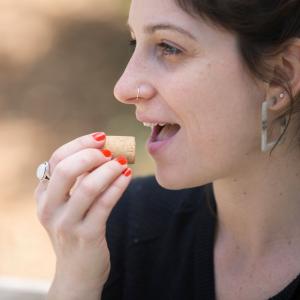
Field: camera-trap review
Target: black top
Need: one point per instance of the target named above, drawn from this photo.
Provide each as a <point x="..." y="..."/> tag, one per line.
<point x="161" y="245"/>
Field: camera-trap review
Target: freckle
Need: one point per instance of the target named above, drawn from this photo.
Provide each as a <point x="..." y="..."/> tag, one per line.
<point x="289" y="242"/>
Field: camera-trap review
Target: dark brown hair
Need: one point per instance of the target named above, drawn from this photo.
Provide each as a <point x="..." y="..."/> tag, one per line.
<point x="264" y="28"/>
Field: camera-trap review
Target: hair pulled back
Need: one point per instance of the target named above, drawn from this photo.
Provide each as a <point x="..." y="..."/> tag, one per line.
<point x="264" y="28"/>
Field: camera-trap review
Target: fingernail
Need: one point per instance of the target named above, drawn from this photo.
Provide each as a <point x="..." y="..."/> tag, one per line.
<point x="106" y="152"/>
<point x="127" y="172"/>
<point x="122" y="160"/>
<point x="99" y="136"/>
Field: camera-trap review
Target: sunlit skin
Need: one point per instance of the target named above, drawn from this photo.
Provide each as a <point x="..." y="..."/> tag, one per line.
<point x="203" y="87"/>
<point x="198" y="80"/>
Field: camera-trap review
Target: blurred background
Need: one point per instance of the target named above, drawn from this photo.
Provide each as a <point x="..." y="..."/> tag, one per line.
<point x="59" y="61"/>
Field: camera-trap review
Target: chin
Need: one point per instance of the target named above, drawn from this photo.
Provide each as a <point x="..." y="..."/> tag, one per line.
<point x="171" y="181"/>
<point x="169" y="185"/>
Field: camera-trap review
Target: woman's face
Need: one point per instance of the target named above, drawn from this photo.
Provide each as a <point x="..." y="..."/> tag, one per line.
<point x="190" y="73"/>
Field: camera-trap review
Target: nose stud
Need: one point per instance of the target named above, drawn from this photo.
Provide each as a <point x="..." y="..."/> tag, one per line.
<point x="138" y="94"/>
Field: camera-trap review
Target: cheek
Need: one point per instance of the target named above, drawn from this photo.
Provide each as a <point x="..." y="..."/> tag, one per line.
<point x="219" y="109"/>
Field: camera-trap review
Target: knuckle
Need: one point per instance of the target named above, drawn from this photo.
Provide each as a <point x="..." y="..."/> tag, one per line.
<point x="113" y="168"/>
<point x="118" y="188"/>
<point x="62" y="228"/>
<point x="86" y="157"/>
<point x="82" y="142"/>
<point x="88" y="235"/>
<point x="85" y="235"/>
<point x="62" y="171"/>
<point x="88" y="189"/>
<point x="56" y="157"/>
<point x="108" y="203"/>
<point x="89" y="157"/>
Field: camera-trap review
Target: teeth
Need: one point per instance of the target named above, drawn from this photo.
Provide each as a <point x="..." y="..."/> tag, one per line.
<point x="154" y="124"/>
<point x="149" y="125"/>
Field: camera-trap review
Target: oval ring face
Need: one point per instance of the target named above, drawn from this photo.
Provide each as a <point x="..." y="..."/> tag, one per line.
<point x="42" y="171"/>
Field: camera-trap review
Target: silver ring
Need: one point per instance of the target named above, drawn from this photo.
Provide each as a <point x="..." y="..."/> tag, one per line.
<point x="43" y="172"/>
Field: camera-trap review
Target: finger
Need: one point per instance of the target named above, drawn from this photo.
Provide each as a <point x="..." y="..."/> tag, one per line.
<point x="39" y="192"/>
<point x="40" y="189"/>
<point x="78" y="181"/>
<point x="95" y="140"/>
<point x="67" y="171"/>
<point x="97" y="216"/>
<point x="92" y="186"/>
<point x="42" y="213"/>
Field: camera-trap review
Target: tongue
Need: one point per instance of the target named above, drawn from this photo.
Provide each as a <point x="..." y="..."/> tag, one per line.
<point x="167" y="132"/>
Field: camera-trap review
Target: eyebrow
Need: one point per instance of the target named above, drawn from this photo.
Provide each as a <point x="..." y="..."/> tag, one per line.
<point x="166" y="26"/>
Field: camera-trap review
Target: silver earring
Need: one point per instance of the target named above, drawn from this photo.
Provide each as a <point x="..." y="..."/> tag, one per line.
<point x="282" y="95"/>
<point x="138" y="94"/>
<point x="265" y="145"/>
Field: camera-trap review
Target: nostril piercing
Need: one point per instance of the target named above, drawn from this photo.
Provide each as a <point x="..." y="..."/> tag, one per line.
<point x="138" y="94"/>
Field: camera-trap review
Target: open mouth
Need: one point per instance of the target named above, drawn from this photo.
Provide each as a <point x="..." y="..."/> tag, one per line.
<point x="163" y="133"/>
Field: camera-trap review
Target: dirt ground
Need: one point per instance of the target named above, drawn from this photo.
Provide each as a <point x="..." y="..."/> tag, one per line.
<point x="59" y="61"/>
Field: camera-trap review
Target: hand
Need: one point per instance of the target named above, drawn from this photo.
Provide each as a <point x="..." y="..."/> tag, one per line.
<point x="74" y="205"/>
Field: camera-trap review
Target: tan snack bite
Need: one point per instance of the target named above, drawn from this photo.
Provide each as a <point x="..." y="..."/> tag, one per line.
<point x="121" y="145"/>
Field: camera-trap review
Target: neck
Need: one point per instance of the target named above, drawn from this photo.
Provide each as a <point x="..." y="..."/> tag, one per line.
<point x="259" y="207"/>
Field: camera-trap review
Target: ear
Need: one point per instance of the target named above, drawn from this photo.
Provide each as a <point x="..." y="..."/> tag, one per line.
<point x="289" y="63"/>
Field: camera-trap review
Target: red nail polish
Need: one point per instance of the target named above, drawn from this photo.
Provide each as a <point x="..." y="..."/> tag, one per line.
<point x="127" y="172"/>
<point x="99" y="136"/>
<point x="122" y="160"/>
<point x="106" y="152"/>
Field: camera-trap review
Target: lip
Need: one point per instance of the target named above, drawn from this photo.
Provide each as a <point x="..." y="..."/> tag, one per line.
<point x="156" y="147"/>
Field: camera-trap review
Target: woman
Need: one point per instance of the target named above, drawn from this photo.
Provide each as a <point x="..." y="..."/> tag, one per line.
<point x="221" y="219"/>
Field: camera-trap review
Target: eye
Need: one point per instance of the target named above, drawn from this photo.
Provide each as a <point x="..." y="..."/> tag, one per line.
<point x="168" y="50"/>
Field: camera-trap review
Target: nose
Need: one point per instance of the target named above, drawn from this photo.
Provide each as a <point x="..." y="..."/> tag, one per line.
<point x="134" y="85"/>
